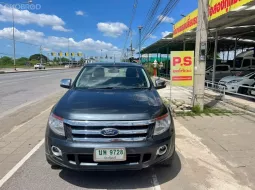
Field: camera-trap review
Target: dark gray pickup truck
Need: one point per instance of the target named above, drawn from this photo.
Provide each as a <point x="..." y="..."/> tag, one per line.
<point x="111" y="118"/>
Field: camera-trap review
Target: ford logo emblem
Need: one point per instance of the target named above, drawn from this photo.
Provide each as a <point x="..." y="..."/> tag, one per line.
<point x="109" y="132"/>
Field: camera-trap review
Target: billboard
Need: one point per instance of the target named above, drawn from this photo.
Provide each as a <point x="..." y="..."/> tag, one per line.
<point x="216" y="9"/>
<point x="182" y="68"/>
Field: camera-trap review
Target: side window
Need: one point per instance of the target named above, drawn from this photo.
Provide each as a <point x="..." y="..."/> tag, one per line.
<point x="224" y="68"/>
<point x="246" y="63"/>
<point x="253" y="62"/>
<point x="219" y="68"/>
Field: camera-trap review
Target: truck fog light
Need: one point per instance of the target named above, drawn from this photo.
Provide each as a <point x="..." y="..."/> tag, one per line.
<point x="56" y="151"/>
<point x="161" y="150"/>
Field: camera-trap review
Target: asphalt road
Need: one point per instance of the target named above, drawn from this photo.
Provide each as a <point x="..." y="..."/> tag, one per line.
<point x="19" y="89"/>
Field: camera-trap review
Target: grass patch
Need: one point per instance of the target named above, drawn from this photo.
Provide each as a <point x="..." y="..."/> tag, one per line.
<point x="209" y="111"/>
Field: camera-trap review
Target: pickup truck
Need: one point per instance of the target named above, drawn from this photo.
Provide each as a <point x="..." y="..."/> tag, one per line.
<point x="111" y="118"/>
<point x="39" y="66"/>
<point x="223" y="70"/>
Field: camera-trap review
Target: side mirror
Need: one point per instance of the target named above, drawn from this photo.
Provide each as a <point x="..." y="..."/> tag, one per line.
<point x="66" y="83"/>
<point x="160" y="84"/>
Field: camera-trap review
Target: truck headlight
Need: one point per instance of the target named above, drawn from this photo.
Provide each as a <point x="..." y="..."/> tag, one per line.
<point x="56" y="124"/>
<point x="162" y="124"/>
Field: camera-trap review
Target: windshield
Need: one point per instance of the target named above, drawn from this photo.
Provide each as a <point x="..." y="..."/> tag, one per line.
<point x="112" y="77"/>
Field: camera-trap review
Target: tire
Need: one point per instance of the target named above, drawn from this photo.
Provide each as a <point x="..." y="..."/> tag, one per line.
<point x="168" y="162"/>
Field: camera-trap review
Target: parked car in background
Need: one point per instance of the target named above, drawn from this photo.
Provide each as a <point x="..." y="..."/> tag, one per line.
<point x="221" y="71"/>
<point x="39" y="66"/>
<point x="237" y="83"/>
<point x="245" y="63"/>
<point x="251" y="91"/>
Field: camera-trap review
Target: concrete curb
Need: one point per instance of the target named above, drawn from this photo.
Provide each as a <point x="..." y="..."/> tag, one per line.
<point x="3" y="72"/>
<point x="233" y="103"/>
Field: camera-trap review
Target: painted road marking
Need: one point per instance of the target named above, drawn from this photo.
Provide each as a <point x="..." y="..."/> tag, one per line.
<point x="20" y="163"/>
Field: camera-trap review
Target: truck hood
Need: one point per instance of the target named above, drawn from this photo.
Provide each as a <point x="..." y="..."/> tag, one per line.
<point x="110" y="105"/>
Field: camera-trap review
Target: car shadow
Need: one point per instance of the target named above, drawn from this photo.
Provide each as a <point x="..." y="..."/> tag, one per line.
<point x="122" y="179"/>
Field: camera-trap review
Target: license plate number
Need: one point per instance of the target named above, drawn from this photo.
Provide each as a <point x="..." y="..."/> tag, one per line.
<point x="109" y="154"/>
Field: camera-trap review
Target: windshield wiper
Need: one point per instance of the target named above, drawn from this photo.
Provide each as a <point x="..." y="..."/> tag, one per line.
<point x="109" y="87"/>
<point x="138" y="88"/>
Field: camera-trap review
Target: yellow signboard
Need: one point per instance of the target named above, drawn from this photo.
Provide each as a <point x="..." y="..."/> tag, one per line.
<point x="182" y="68"/>
<point x="187" y="23"/>
<point x="216" y="9"/>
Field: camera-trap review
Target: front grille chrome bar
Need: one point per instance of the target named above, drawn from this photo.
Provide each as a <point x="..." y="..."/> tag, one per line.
<point x="134" y="139"/>
<point x="121" y="132"/>
<point x="108" y="123"/>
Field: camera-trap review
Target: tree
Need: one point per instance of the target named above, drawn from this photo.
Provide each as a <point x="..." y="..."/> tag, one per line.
<point x="22" y="61"/>
<point x="63" y="59"/>
<point x="6" y="60"/>
<point x="38" y="57"/>
<point x="55" y="60"/>
<point x="81" y="60"/>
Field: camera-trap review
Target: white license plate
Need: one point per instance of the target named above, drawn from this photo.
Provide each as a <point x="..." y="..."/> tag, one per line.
<point x="109" y="154"/>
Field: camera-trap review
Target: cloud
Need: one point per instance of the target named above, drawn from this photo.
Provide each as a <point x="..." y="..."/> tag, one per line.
<point x="25" y="17"/>
<point x="112" y="29"/>
<point x="165" y="19"/>
<point x="79" y="13"/>
<point x="165" y="33"/>
<point x="152" y="36"/>
<point x="46" y="49"/>
<point x="55" y="42"/>
<point x="61" y="28"/>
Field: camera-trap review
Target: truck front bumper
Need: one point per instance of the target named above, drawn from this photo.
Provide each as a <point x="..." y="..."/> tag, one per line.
<point x="79" y="156"/>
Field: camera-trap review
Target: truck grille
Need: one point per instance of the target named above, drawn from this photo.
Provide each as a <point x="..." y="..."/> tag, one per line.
<point x="91" y="131"/>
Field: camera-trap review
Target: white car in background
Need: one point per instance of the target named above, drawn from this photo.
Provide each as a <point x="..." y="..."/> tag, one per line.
<point x="39" y="66"/>
<point x="236" y="83"/>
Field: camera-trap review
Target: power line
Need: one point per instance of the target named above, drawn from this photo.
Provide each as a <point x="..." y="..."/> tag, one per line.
<point x="168" y="8"/>
<point x="130" y="26"/>
<point x="152" y="27"/>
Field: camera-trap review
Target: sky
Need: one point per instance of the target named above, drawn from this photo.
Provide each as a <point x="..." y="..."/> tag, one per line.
<point x="90" y="25"/>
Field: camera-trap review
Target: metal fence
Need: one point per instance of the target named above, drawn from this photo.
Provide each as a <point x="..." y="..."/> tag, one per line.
<point x="222" y="89"/>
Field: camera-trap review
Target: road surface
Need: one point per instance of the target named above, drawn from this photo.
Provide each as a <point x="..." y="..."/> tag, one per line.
<point x="19" y="89"/>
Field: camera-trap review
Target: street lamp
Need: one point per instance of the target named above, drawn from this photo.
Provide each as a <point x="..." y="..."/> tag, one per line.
<point x="13" y="34"/>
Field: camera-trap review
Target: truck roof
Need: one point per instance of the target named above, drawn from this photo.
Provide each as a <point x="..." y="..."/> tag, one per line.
<point x="109" y="64"/>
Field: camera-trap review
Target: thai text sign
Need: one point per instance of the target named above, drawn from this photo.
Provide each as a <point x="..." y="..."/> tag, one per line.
<point x="182" y="68"/>
<point x="216" y="9"/>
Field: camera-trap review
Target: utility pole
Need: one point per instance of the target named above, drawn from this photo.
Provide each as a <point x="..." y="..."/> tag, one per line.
<point x="41" y="54"/>
<point x="200" y="54"/>
<point x="140" y="36"/>
<point x="14" y="43"/>
<point x="68" y="51"/>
